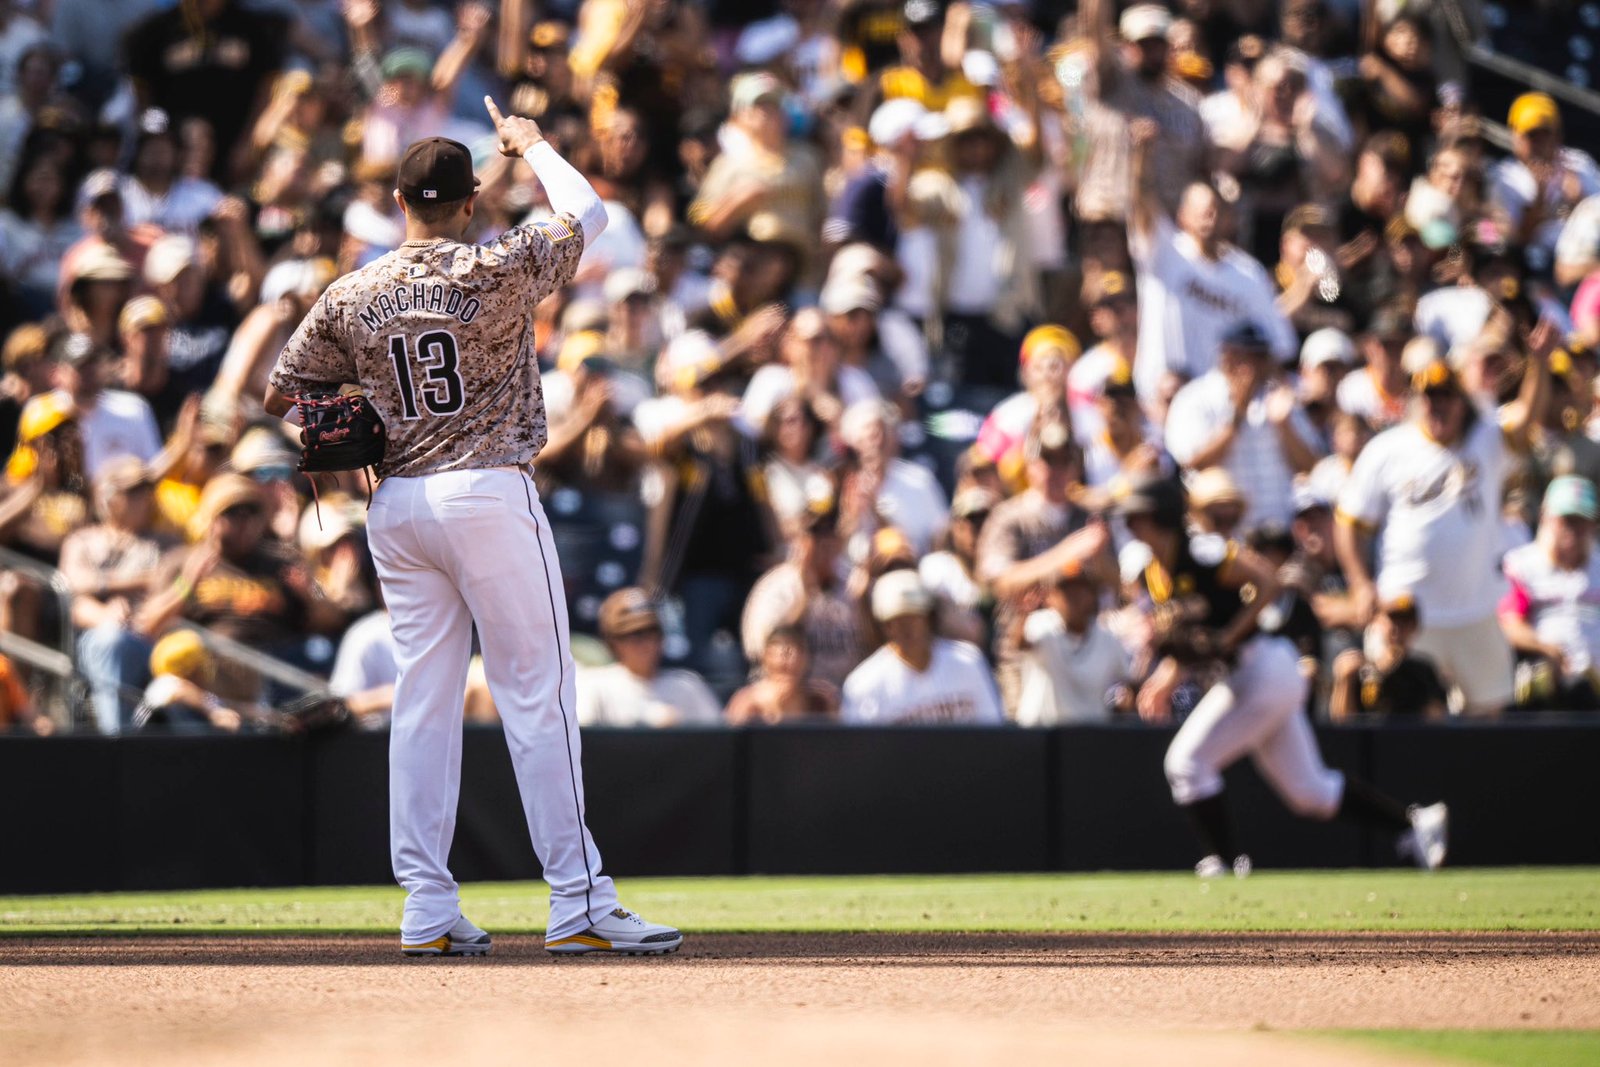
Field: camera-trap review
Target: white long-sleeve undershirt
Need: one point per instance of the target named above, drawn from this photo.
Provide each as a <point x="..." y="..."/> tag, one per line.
<point x="568" y="191"/>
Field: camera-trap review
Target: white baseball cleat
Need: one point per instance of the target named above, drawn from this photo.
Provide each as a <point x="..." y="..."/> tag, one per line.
<point x="1429" y="837"/>
<point x="1242" y="866"/>
<point x="1211" y="867"/>
<point x="622" y="932"/>
<point x="462" y="939"/>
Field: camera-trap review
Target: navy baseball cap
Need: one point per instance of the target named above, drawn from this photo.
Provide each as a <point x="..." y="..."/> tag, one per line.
<point x="1246" y="334"/>
<point x="436" y="169"/>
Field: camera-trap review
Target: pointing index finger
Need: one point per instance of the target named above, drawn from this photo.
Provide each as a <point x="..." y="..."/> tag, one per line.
<point x="494" y="112"/>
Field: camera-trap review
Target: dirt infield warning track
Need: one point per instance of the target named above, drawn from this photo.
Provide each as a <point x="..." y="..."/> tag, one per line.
<point x="729" y="999"/>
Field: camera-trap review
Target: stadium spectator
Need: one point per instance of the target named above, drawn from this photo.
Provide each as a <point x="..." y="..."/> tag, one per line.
<point x="1548" y="613"/>
<point x="880" y="488"/>
<point x="916" y="676"/>
<point x="110" y="567"/>
<point x="784" y="691"/>
<point x="809" y="591"/>
<point x="1243" y="417"/>
<point x="1044" y="364"/>
<point x="1073" y="669"/>
<point x="112" y="422"/>
<point x="1385" y="677"/>
<point x="179" y="699"/>
<point x="950" y="572"/>
<point x="17" y="712"/>
<point x="1193" y="287"/>
<point x="635" y="690"/>
<point x="1381" y="391"/>
<point x="1535" y="189"/>
<point x="1441" y="545"/>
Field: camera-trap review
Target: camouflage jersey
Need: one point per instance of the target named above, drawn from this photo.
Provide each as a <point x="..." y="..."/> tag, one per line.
<point x="439" y="335"/>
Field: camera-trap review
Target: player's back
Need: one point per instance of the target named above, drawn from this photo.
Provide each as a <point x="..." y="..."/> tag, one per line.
<point x="441" y="338"/>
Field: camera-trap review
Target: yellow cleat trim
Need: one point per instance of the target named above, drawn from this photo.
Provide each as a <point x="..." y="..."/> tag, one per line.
<point x="442" y="943"/>
<point x="579" y="939"/>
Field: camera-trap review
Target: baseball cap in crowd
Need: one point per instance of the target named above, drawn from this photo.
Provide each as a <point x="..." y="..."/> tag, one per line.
<point x="1435" y="376"/>
<point x="900" y="593"/>
<point x="1214" y="485"/>
<point x="1327" y="345"/>
<point x="844" y="295"/>
<point x="118" y="475"/>
<point x="27" y="344"/>
<point x="549" y="33"/>
<point x="262" y="450"/>
<point x="690" y="359"/>
<point x="1402" y="607"/>
<point x="582" y="315"/>
<point x="142" y="312"/>
<point x="436" y="169"/>
<point x="333" y="517"/>
<point x="1119" y="382"/>
<point x="966" y="114"/>
<point x="182" y="654"/>
<point x="221" y="494"/>
<point x="76" y="349"/>
<point x="101" y="184"/>
<point x="1308" y="217"/>
<point x="1143" y="21"/>
<point x="751" y="90"/>
<point x="921" y="14"/>
<point x="861" y="416"/>
<point x="980" y="68"/>
<point x="628" y="281"/>
<point x="1162" y="499"/>
<point x="973" y="500"/>
<point x="407" y="63"/>
<point x="168" y="258"/>
<point x="1570" y="495"/>
<point x="1114" y="285"/>
<point x="44" y="413"/>
<point x="1047" y="337"/>
<point x="1533" y="111"/>
<point x="101" y="263"/>
<point x="1247" y="335"/>
<point x="298" y="277"/>
<point x="1307" y="498"/>
<point x="628" y="611"/>
<point x="894" y="120"/>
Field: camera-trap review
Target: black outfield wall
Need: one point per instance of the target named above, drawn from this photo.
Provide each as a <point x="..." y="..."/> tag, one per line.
<point x="86" y="814"/>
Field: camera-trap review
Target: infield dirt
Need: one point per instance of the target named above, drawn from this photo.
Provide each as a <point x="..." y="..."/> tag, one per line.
<point x="780" y="999"/>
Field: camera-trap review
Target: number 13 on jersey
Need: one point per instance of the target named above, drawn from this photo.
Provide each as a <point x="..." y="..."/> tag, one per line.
<point x="441" y="390"/>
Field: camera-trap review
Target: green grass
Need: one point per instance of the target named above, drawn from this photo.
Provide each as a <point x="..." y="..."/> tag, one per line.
<point x="1488" y="899"/>
<point x="1513" y="1048"/>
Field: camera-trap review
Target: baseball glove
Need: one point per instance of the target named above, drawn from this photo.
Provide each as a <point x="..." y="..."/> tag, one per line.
<point x="339" y="433"/>
<point x="313" y="713"/>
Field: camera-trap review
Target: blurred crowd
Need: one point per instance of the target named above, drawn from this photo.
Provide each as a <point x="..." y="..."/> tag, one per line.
<point x="897" y="298"/>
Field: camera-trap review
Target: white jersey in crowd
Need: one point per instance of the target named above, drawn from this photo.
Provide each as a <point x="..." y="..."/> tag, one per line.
<point x="912" y="500"/>
<point x="119" y="423"/>
<point x="957" y="688"/>
<point x="1453" y="315"/>
<point x="1199" y="413"/>
<point x="1187" y="303"/>
<point x="1513" y="188"/>
<point x="366" y="656"/>
<point x="1439" y="513"/>
<point x="615" y="696"/>
<point x="181" y="209"/>
<point x="775" y="382"/>
<point x="1065" y="676"/>
<point x="1562" y="606"/>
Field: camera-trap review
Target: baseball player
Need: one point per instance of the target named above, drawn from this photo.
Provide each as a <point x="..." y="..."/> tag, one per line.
<point x="439" y="333"/>
<point x="1204" y="622"/>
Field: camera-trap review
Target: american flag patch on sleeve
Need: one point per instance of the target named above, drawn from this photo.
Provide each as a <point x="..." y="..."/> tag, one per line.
<point x="556" y="229"/>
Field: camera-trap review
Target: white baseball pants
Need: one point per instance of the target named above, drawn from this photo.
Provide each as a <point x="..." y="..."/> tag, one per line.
<point x="1257" y="712"/>
<point x="452" y="548"/>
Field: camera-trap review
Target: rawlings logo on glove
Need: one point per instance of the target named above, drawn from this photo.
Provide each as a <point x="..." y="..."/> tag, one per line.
<point x="339" y="433"/>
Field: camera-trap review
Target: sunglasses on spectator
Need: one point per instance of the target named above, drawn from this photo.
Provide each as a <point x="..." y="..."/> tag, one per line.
<point x="649" y="633"/>
<point x="242" y="512"/>
<point x="272" y="474"/>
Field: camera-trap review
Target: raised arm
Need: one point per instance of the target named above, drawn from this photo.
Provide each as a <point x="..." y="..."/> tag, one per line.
<point x="568" y="191"/>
